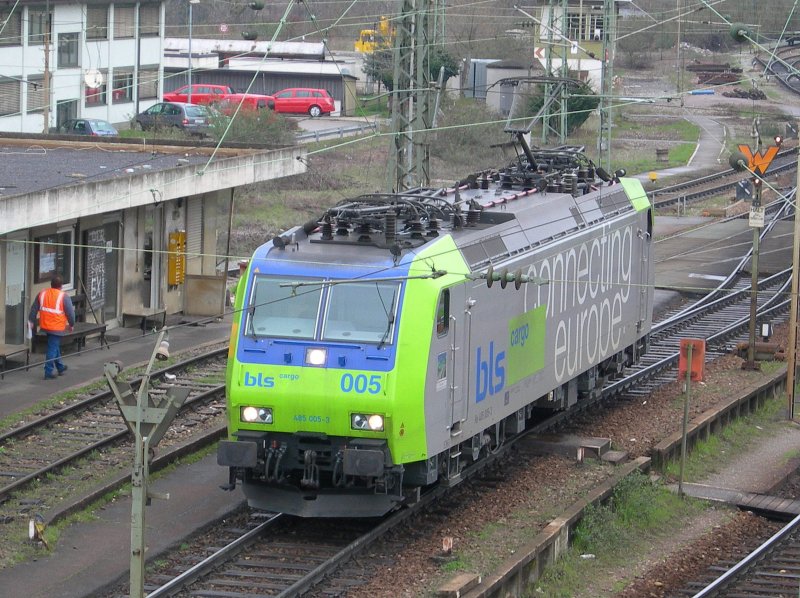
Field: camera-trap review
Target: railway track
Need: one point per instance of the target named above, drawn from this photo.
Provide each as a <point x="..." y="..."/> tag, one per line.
<point x="784" y="68"/>
<point x="769" y="570"/>
<point x="59" y="440"/>
<point x="717" y="183"/>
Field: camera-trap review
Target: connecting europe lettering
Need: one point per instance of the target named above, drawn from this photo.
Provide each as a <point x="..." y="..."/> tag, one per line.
<point x="583" y="303"/>
<point x="589" y="285"/>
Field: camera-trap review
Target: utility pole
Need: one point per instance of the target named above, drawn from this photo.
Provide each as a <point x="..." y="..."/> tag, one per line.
<point x="548" y="71"/>
<point x="411" y="101"/>
<point x="46" y="85"/>
<point x="791" y="367"/>
<point x="609" y="50"/>
<point x="678" y="58"/>
<point x="755" y="207"/>
<point x="566" y="48"/>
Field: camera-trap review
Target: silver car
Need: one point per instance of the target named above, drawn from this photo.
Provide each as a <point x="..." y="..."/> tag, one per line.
<point x="192" y="118"/>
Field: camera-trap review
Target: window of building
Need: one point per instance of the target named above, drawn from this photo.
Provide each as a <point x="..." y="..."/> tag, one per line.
<point x="54" y="254"/>
<point x="38" y="25"/>
<point x="96" y="96"/>
<point x="68" y="45"/>
<point x="36" y="96"/>
<point x="149" y="20"/>
<point x="574" y="27"/>
<point x="12" y="32"/>
<point x="9" y="96"/>
<point x="122" y="87"/>
<point x="124" y="21"/>
<point x="148" y="82"/>
<point x="97" y="22"/>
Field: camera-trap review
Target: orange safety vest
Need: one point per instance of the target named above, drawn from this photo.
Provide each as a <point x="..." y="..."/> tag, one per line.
<point x="51" y="310"/>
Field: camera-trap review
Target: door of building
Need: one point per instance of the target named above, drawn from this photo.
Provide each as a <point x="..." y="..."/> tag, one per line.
<point x="153" y="255"/>
<point x="15" y="290"/>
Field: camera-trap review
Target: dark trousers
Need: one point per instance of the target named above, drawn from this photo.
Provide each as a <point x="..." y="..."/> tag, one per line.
<point x="53" y="357"/>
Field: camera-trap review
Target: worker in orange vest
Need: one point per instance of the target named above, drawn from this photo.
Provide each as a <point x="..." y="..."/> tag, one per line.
<point x="56" y="316"/>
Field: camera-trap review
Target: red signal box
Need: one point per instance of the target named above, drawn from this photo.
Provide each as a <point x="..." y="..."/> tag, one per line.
<point x="697" y="366"/>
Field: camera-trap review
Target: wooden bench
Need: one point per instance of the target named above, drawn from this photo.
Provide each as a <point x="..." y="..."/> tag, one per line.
<point x="7" y="351"/>
<point x="144" y="315"/>
<point x="78" y="335"/>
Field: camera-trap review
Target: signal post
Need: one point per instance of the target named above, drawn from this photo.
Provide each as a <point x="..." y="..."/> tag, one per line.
<point x="757" y="163"/>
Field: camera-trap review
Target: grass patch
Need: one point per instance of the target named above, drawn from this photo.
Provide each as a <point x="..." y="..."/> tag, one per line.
<point x="638" y="511"/>
<point x="453" y="566"/>
<point x="678" y="156"/>
<point x="718" y="450"/>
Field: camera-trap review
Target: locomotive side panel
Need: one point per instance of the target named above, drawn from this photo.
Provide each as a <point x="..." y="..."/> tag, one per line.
<point x="588" y="308"/>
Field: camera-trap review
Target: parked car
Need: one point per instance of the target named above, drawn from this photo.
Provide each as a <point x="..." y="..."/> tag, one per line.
<point x="304" y="100"/>
<point x="204" y="93"/>
<point x="87" y="126"/>
<point x="192" y="118"/>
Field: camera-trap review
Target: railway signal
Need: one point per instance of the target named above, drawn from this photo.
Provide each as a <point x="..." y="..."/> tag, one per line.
<point x="757" y="163"/>
<point x="148" y="418"/>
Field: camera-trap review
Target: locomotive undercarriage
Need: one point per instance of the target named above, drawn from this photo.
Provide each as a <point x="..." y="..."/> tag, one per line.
<point x="324" y="472"/>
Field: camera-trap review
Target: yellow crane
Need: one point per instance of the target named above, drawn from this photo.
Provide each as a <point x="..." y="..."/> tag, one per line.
<point x="380" y="38"/>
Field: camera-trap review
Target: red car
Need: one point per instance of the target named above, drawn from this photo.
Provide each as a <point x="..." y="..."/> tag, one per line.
<point x="202" y="93"/>
<point x="304" y="100"/>
<point x="205" y="93"/>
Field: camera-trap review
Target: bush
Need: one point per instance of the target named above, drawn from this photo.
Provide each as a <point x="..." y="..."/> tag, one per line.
<point x="254" y="126"/>
<point x="580" y="104"/>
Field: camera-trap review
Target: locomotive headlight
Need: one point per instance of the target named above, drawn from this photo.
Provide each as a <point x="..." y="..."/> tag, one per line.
<point x="316" y="356"/>
<point x="371" y="423"/>
<point x="258" y="415"/>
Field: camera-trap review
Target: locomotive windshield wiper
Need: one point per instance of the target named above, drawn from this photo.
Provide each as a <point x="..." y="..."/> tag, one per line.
<point x="389" y="320"/>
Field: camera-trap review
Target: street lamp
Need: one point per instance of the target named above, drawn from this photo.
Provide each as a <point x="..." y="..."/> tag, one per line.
<point x="191" y="2"/>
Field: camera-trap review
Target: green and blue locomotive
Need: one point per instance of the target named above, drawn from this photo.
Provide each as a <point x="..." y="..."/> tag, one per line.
<point x="399" y="338"/>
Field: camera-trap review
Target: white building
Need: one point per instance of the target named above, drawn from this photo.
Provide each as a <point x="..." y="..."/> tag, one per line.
<point x="104" y="61"/>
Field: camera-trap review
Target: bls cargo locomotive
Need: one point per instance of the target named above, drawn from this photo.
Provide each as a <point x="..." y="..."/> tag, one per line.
<point x="399" y="338"/>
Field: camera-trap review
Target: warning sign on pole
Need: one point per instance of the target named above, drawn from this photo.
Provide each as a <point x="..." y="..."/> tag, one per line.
<point x="756" y="217"/>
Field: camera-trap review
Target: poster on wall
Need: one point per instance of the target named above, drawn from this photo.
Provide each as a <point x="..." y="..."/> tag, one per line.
<point x="95" y="282"/>
<point x="53" y="255"/>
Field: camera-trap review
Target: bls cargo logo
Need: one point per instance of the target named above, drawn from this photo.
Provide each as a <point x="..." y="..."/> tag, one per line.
<point x="490" y="373"/>
<point x="258" y="380"/>
<point x="523" y="357"/>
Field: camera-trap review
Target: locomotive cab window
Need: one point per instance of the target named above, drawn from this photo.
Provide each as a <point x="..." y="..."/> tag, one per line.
<point x="361" y="312"/>
<point x="280" y="311"/>
<point x="443" y="313"/>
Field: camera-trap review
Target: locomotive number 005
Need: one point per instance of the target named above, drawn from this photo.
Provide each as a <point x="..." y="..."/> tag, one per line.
<point x="360" y="383"/>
